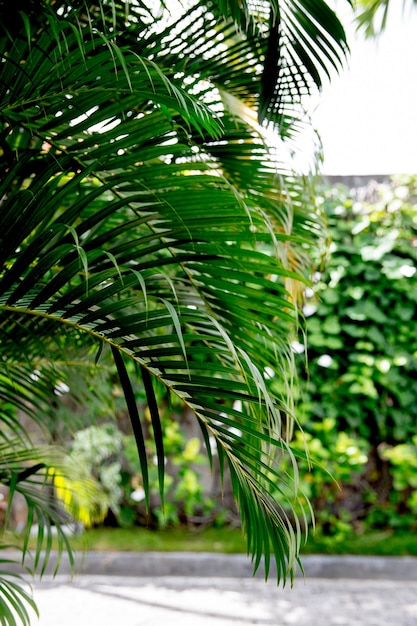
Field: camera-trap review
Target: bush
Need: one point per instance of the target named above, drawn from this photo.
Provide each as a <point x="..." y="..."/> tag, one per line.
<point x="359" y="409"/>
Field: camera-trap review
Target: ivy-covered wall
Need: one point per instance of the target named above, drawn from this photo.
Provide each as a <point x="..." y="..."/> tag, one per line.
<point x="358" y="407"/>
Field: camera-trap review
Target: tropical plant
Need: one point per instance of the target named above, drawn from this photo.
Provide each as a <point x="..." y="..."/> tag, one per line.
<point x="145" y="214"/>
<point x="373" y="15"/>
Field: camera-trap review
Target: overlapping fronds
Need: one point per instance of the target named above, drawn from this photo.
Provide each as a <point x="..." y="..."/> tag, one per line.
<point x="17" y="603"/>
<point x="269" y="54"/>
<point x="142" y="211"/>
<point x="31" y="473"/>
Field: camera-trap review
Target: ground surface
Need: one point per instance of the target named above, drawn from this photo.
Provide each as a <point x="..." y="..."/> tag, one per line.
<point x="152" y="589"/>
<point x="184" y="601"/>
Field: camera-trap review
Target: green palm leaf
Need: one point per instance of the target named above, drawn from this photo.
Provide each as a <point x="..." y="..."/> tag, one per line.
<point x="144" y="210"/>
<point x="277" y="52"/>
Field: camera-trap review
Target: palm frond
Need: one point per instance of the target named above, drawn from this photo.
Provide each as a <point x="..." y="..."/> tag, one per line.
<point x="277" y="52"/>
<point x="52" y="486"/>
<point x="16" y="601"/>
<point x="26" y="471"/>
<point x="372" y="16"/>
<point x="142" y="212"/>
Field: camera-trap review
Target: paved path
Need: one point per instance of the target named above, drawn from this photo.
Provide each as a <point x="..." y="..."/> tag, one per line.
<point x="184" y="601"/>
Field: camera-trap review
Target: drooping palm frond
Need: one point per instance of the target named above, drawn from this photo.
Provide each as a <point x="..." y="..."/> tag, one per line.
<point x="142" y="211"/>
<point x="51" y="485"/>
<point x="269" y="54"/>
<point x="32" y="473"/>
<point x="17" y="602"/>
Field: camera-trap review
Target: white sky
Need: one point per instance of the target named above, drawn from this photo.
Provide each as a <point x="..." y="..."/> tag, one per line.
<point x="367" y="117"/>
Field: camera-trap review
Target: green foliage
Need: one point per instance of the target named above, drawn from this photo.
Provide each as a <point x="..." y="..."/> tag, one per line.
<point x="403" y="464"/>
<point x="359" y="410"/>
<point x="362" y="338"/>
<point x="96" y="450"/>
<point x="328" y="474"/>
<point x="373" y="15"/>
<point x="16" y="599"/>
<point x="186" y="498"/>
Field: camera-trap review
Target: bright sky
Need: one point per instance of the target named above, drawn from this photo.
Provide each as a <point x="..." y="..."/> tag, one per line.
<point x="367" y="117"/>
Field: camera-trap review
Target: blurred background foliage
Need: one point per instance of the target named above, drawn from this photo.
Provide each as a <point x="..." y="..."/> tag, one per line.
<point x="358" y="405"/>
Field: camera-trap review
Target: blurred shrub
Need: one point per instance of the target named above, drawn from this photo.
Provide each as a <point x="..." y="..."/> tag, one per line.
<point x="111" y="458"/>
<point x="187" y="498"/>
<point x="96" y="451"/>
<point x="359" y="409"/>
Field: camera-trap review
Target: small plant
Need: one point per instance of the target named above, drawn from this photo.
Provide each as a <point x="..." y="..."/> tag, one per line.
<point x="186" y="499"/>
<point x="97" y="451"/>
<point x="403" y="465"/>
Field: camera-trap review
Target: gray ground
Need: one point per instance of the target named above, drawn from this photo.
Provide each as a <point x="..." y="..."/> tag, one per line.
<point x="180" y="601"/>
<point x="202" y="590"/>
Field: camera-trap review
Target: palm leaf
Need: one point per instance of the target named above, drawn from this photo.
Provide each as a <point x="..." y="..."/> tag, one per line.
<point x="142" y="211"/>
<point x="15" y="599"/>
<point x="372" y="15"/>
<point x="277" y="51"/>
<point x="34" y="472"/>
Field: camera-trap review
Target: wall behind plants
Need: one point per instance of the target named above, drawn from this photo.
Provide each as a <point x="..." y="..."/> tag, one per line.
<point x="359" y="404"/>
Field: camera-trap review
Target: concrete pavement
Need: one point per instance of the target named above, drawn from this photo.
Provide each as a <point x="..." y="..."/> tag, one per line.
<point x="155" y="589"/>
<point x="182" y="601"/>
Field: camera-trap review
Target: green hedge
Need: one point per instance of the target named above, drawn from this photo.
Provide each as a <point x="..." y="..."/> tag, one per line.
<point x="358" y="408"/>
